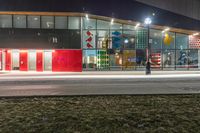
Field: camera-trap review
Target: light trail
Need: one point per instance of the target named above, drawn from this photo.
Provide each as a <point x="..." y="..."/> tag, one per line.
<point x="25" y="77"/>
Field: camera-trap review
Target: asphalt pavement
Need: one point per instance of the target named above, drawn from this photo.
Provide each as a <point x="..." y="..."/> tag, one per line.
<point x="99" y="83"/>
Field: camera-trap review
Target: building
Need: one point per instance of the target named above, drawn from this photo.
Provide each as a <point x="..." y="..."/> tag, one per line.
<point x="100" y="35"/>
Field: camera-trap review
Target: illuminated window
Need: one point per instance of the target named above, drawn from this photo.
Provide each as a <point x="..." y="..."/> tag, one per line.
<point x="47" y="22"/>
<point x="34" y="22"/>
<point x="74" y="23"/>
<point x="60" y="22"/>
<point x="5" y="21"/>
<point x="19" y="21"/>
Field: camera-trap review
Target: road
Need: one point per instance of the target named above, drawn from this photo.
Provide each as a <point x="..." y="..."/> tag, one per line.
<point x="97" y="85"/>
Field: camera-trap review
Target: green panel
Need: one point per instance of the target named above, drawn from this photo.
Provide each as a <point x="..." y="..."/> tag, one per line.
<point x="141" y="36"/>
<point x="102" y="60"/>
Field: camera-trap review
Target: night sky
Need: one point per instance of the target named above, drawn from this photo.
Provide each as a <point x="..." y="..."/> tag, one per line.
<point x="122" y="9"/>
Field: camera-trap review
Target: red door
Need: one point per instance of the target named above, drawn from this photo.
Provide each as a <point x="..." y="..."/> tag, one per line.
<point x="39" y="61"/>
<point x="8" y="60"/>
<point x="23" y="60"/>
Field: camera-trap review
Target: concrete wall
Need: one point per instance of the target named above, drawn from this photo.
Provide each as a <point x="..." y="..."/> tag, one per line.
<point x="189" y="8"/>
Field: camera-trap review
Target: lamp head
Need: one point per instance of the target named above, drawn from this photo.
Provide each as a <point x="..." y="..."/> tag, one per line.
<point x="147" y="21"/>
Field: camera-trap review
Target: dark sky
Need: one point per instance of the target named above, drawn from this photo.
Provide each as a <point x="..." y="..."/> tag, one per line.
<point x="122" y="9"/>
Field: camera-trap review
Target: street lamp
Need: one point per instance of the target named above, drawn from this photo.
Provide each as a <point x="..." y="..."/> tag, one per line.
<point x="147" y="22"/>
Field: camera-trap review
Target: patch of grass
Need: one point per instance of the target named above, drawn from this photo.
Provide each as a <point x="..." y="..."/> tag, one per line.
<point x="116" y="114"/>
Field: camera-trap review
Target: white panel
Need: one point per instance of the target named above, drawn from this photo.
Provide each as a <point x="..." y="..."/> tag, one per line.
<point x="199" y="59"/>
<point x="3" y="60"/>
<point x="48" y="60"/>
<point x="15" y="59"/>
<point x="32" y="60"/>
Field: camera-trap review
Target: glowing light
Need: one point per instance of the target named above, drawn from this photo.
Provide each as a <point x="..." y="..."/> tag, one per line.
<point x="112" y="21"/>
<point x="87" y="17"/>
<point x="165" y="30"/>
<point x="137" y="25"/>
<point x="195" y="34"/>
<point x="148" y="21"/>
<point x="126" y="41"/>
<point x="35" y="19"/>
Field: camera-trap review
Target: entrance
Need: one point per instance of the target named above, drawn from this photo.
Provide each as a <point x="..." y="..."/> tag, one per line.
<point x="15" y="59"/>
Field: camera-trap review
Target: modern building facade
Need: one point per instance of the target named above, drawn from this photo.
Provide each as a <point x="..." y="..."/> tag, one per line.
<point x="46" y="40"/>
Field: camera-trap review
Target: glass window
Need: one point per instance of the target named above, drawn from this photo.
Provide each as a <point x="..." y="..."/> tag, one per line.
<point x="130" y="32"/>
<point x="19" y="21"/>
<point x="33" y="21"/>
<point x="116" y="26"/>
<point x="169" y="58"/>
<point x="128" y="27"/>
<point x="73" y="22"/>
<point x="168" y="40"/>
<point x="181" y="59"/>
<point x="89" y="23"/>
<point x="74" y="39"/>
<point x="89" y="39"/>
<point x="6" y="21"/>
<point x="89" y="59"/>
<point x="60" y="22"/>
<point x="103" y="24"/>
<point x="129" y="59"/>
<point x="104" y="40"/>
<point x="47" y="22"/>
<point x="115" y="59"/>
<point x="182" y="41"/>
<point x="193" y="58"/>
<point x="141" y="57"/>
<point x="156" y="37"/>
<point x="129" y="39"/>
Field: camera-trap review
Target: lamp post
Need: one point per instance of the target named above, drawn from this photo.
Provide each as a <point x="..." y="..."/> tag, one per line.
<point x="147" y="22"/>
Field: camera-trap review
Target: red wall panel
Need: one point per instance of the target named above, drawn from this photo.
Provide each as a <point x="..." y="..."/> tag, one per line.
<point x="67" y="60"/>
<point x="39" y="61"/>
<point x="23" y="60"/>
<point x="8" y="60"/>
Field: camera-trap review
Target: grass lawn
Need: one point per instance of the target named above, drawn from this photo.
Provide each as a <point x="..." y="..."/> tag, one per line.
<point x="112" y="114"/>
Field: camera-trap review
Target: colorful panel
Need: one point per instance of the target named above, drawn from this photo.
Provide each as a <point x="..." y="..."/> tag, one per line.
<point x="194" y="42"/>
<point x="89" y="39"/>
<point x="155" y="60"/>
<point x="102" y="59"/>
<point x="116" y="40"/>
